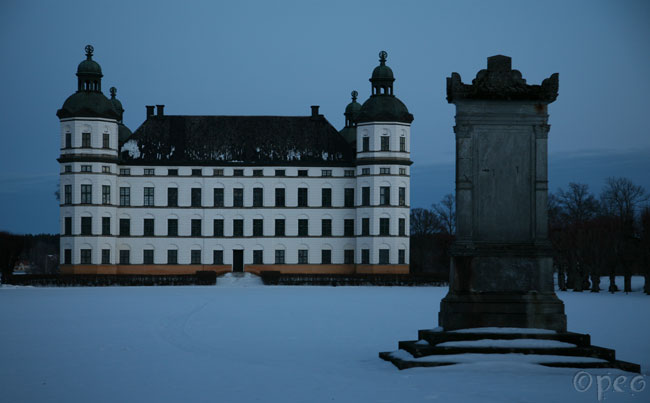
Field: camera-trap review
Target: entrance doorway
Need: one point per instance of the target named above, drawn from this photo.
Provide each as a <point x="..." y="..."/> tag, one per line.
<point x="237" y="260"/>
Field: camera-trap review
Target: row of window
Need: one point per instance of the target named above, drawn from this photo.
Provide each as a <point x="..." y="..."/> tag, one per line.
<point x="384" y="144"/>
<point x="237" y="227"/>
<point x="237" y="196"/>
<point x="236" y="172"/>
<point x="85" y="140"/>
<point x="217" y="256"/>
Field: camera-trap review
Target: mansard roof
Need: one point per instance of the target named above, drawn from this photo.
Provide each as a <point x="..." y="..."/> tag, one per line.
<point x="236" y="140"/>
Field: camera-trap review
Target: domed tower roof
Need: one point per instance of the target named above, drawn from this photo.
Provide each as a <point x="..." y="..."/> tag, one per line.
<point x="349" y="132"/>
<point x="117" y="105"/>
<point x="383" y="106"/>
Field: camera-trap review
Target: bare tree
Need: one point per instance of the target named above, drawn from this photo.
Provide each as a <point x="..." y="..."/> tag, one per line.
<point x="577" y="203"/>
<point x="446" y="212"/>
<point x="423" y="222"/>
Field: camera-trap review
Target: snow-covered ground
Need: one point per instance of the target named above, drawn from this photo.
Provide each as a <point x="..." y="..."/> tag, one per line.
<point x="244" y="342"/>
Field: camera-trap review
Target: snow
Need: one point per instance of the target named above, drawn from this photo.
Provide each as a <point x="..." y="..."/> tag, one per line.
<point x="518" y="343"/>
<point x="494" y="358"/>
<point x="505" y="330"/>
<point x="132" y="147"/>
<point x="244" y="342"/>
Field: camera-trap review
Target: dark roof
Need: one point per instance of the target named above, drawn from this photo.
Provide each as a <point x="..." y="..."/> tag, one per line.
<point x="226" y="140"/>
<point x="87" y="104"/>
<point x="384" y="108"/>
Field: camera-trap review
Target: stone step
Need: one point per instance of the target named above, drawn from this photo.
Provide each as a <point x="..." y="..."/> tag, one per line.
<point x="433" y="337"/>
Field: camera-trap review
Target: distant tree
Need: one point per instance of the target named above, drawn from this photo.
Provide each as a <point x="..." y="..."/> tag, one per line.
<point x="57" y="192"/>
<point x="423" y="222"/>
<point x="446" y="213"/>
<point x="645" y="246"/>
<point x="577" y="203"/>
<point x="11" y="247"/>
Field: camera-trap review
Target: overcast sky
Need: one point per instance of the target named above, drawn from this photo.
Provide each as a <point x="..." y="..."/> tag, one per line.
<point x="278" y="58"/>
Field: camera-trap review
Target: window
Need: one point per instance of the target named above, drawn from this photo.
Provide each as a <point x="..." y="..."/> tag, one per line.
<point x="149" y="172"/>
<point x="86" y="168"/>
<point x="402" y="171"/>
<point x="279" y="197"/>
<point x="348" y="227"/>
<point x="279" y="227"/>
<point x="67" y="256"/>
<point x="280" y="172"/>
<point x="125" y="171"/>
<point x="148" y="196"/>
<point x="384" y="226"/>
<point x="348" y="173"/>
<point x="365" y="256"/>
<point x="258" y="257"/>
<point x="217" y="172"/>
<point x="365" y="171"/>
<point x="365" y="226"/>
<point x="172" y="172"/>
<point x="348" y="256"/>
<point x="196" y="172"/>
<point x="326" y="256"/>
<point x="148" y="227"/>
<point x="402" y="227"/>
<point x="125" y="256"/>
<point x="67" y="193"/>
<point x="401" y="256"/>
<point x="384" y="256"/>
<point x="303" y="227"/>
<point x="349" y="197"/>
<point x="217" y="257"/>
<point x="68" y="140"/>
<point x="147" y="256"/>
<point x="402" y="196"/>
<point x="238" y="227"/>
<point x="303" y="172"/>
<point x="196" y="227"/>
<point x="302" y="197"/>
<point x="106" y="256"/>
<point x="258" y="197"/>
<point x="237" y="172"/>
<point x="258" y="172"/>
<point x="106" y="140"/>
<point x="218" y="197"/>
<point x="402" y="144"/>
<point x="106" y="169"/>
<point x="67" y="227"/>
<point x="196" y="197"/>
<point x="86" y="194"/>
<point x="86" y="225"/>
<point x="366" y="144"/>
<point x="85" y="140"/>
<point x="279" y="256"/>
<point x="384" y="143"/>
<point x="326" y="172"/>
<point x="217" y="227"/>
<point x="326" y="197"/>
<point x="258" y="227"/>
<point x="172" y="256"/>
<point x="172" y="197"/>
<point x="195" y="256"/>
<point x="67" y="168"/>
<point x="238" y="197"/>
<point x="365" y="196"/>
<point x="326" y="227"/>
<point x="384" y="195"/>
<point x="384" y="171"/>
<point x="172" y="227"/>
<point x="85" y="256"/>
<point x="106" y="225"/>
<point x="303" y="256"/>
<point x="125" y="227"/>
<point x="125" y="196"/>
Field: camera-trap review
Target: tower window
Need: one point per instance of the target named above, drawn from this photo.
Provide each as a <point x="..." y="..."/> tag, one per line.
<point x="279" y="227"/>
<point x="384" y="226"/>
<point x="365" y="196"/>
<point x="106" y="140"/>
<point x="68" y="140"/>
<point x="147" y="256"/>
<point x="125" y="196"/>
<point x="402" y="196"/>
<point x="196" y="227"/>
<point x="172" y="256"/>
<point x="86" y="168"/>
<point x="106" y="225"/>
<point x="402" y="227"/>
<point x="384" y="195"/>
<point x="85" y="256"/>
<point x="86" y="194"/>
<point x="384" y="255"/>
<point x="365" y="226"/>
<point x="172" y="227"/>
<point x="217" y="257"/>
<point x="106" y="169"/>
<point x="195" y="256"/>
<point x="366" y="144"/>
<point x="402" y="171"/>
<point x="349" y="197"/>
<point x="125" y="257"/>
<point x="106" y="194"/>
<point x="303" y="256"/>
<point x="86" y="225"/>
<point x="148" y="196"/>
<point x="67" y="194"/>
<point x="148" y="227"/>
<point x="348" y="227"/>
<point x="237" y="227"/>
<point x="217" y="227"/>
<point x="349" y="173"/>
<point x="68" y="226"/>
<point x="365" y="171"/>
<point x="125" y="171"/>
<point x="384" y="143"/>
<point x="279" y="256"/>
<point x="384" y="171"/>
<point x="68" y="168"/>
<point x="326" y="256"/>
<point x="303" y="227"/>
<point x="402" y="144"/>
<point x="326" y="227"/>
<point x="106" y="256"/>
<point x="125" y="227"/>
<point x="85" y="140"/>
<point x="258" y="227"/>
<point x="348" y="256"/>
<point x="365" y="256"/>
<point x="258" y="256"/>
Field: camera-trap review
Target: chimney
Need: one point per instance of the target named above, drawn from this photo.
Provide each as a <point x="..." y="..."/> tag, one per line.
<point x="314" y="111"/>
<point x="149" y="111"/>
<point x="161" y="110"/>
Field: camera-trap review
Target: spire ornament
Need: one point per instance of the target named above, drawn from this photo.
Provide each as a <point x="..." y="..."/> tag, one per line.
<point x="354" y="95"/>
<point x="89" y="51"/>
<point x="383" y="55"/>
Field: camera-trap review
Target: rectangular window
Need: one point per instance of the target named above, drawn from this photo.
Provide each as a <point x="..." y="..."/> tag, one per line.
<point x="348" y="256"/>
<point x="365" y="196"/>
<point x="172" y="172"/>
<point x="365" y="256"/>
<point x="326" y="172"/>
<point x="237" y="172"/>
<point x="67" y="192"/>
<point x="258" y="172"/>
<point x="218" y="197"/>
<point x="326" y="197"/>
<point x="196" y="172"/>
<point x="348" y="227"/>
<point x="86" y="225"/>
<point x="402" y="144"/>
<point x="326" y="227"/>
<point x="258" y="197"/>
<point x="125" y="257"/>
<point x="303" y="172"/>
<point x="365" y="171"/>
<point x="86" y="168"/>
<point x="85" y="256"/>
<point x="195" y="256"/>
<point x="365" y="226"/>
<point x="348" y="173"/>
<point x="217" y="257"/>
<point x="196" y="197"/>
<point x="106" y="225"/>
<point x="279" y="197"/>
<point x="402" y="196"/>
<point x="106" y="256"/>
<point x="303" y="227"/>
<point x="68" y="140"/>
<point x="125" y="171"/>
<point x="149" y="172"/>
<point x="303" y="197"/>
<point x="85" y="140"/>
<point x="196" y="227"/>
<point x="280" y="172"/>
<point x="217" y="226"/>
<point x="258" y="227"/>
<point x="67" y="256"/>
<point x="402" y="227"/>
<point x="384" y="195"/>
<point x="279" y="256"/>
<point x="384" y="171"/>
<point x="148" y="227"/>
<point x="67" y="230"/>
<point x="148" y="196"/>
<point x="384" y="143"/>
<point x="384" y="255"/>
<point x="147" y="256"/>
<point x="106" y="141"/>
<point x="172" y="256"/>
<point x="106" y="169"/>
<point x="402" y="171"/>
<point x="172" y="197"/>
<point x="303" y="256"/>
<point x="279" y="227"/>
<point x="238" y="197"/>
<point x="384" y="226"/>
<point x="86" y="194"/>
<point x="217" y="172"/>
<point x="366" y="144"/>
<point x="401" y="256"/>
<point x="67" y="168"/>
<point x="125" y="227"/>
<point x="172" y="227"/>
<point x="326" y="256"/>
<point x="349" y="197"/>
<point x="238" y="227"/>
<point x="258" y="257"/>
<point x="125" y="196"/>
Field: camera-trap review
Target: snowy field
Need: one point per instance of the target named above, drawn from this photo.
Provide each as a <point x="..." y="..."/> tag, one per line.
<point x="243" y="342"/>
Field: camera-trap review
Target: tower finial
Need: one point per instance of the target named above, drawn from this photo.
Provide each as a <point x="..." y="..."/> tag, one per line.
<point x="354" y="96"/>
<point x="113" y="91"/>
<point x="382" y="57"/>
<point x="89" y="51"/>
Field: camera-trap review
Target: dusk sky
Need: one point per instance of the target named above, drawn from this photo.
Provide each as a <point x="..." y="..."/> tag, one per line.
<point x="280" y="57"/>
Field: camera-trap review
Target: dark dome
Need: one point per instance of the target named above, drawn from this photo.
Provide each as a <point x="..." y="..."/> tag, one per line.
<point x="89" y="66"/>
<point x="382" y="72"/>
<point x="349" y="134"/>
<point x="384" y="108"/>
<point x="87" y="104"/>
<point x="123" y="133"/>
<point x="353" y="108"/>
<point x="117" y="105"/>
